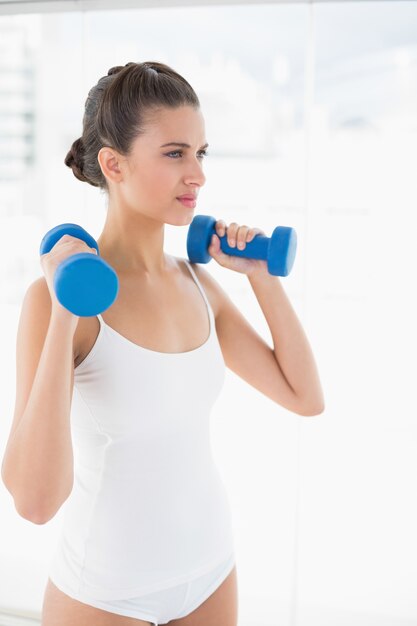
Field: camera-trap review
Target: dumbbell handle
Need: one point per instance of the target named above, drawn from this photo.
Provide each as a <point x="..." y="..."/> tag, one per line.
<point x="278" y="250"/>
<point x="255" y="249"/>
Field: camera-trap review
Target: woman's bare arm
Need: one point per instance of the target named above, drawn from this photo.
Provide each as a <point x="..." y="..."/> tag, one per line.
<point x="37" y="467"/>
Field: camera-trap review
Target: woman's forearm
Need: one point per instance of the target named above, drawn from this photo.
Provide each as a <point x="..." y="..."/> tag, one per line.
<point x="291" y="346"/>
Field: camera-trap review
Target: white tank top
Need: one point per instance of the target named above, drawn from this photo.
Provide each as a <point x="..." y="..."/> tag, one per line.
<point x="148" y="509"/>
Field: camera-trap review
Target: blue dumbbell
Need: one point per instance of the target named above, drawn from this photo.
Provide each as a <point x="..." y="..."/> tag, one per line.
<point x="278" y="250"/>
<point x="84" y="283"/>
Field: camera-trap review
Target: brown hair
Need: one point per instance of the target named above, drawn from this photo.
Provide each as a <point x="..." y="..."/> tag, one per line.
<point x="117" y="108"/>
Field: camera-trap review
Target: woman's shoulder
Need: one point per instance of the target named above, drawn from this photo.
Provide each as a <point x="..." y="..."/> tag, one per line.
<point x="38" y="293"/>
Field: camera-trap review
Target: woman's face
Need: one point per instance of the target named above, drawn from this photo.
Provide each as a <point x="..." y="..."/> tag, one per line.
<point x="156" y="175"/>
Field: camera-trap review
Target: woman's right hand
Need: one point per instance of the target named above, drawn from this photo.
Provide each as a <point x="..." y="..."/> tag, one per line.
<point x="65" y="247"/>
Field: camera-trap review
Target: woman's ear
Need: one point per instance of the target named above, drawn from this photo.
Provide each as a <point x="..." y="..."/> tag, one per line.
<point x="111" y="163"/>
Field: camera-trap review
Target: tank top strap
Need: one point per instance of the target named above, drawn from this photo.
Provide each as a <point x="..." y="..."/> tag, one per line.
<point x="199" y="285"/>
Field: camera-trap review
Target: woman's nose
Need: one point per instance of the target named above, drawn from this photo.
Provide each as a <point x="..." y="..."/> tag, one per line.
<point x="196" y="176"/>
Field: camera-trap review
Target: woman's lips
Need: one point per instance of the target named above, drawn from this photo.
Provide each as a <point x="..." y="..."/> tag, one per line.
<point x="188" y="202"/>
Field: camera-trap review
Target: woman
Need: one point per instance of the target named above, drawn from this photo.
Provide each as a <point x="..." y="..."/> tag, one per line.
<point x="147" y="537"/>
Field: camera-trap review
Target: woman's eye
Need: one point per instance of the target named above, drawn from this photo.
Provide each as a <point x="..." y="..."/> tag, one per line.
<point x="202" y="152"/>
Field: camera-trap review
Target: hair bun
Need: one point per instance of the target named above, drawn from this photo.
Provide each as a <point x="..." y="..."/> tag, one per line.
<point x="74" y="159"/>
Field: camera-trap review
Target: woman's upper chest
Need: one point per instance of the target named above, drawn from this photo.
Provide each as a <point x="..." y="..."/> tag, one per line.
<point x="167" y="316"/>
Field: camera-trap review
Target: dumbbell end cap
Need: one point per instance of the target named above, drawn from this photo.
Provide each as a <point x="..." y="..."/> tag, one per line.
<point x="199" y="236"/>
<point x="283" y="242"/>
<point x="55" y="233"/>
<point x="85" y="284"/>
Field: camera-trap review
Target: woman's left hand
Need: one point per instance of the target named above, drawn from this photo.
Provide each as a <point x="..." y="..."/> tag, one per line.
<point x="237" y="236"/>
